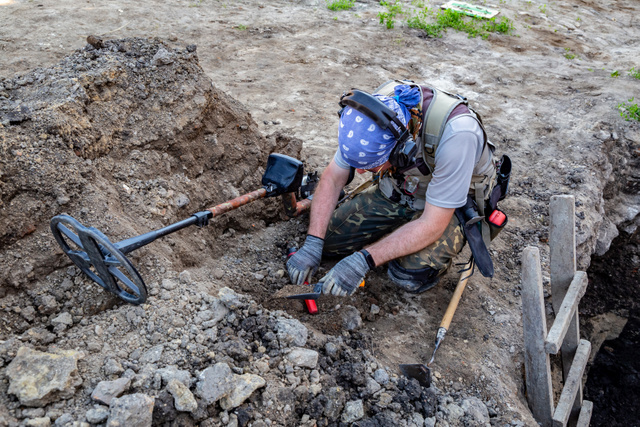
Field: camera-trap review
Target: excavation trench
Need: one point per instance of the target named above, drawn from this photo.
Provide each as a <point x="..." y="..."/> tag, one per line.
<point x="610" y="314"/>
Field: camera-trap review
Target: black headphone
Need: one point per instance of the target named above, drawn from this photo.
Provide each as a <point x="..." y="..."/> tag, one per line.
<point x="403" y="152"/>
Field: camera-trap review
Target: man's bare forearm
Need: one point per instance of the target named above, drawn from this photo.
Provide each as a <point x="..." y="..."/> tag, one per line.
<point x="325" y="199"/>
<point x="413" y="236"/>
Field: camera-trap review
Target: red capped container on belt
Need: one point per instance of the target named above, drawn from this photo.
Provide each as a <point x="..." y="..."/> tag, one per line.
<point x="497" y="218"/>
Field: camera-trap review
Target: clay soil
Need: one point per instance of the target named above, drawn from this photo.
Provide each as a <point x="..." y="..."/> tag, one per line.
<point x="547" y="93"/>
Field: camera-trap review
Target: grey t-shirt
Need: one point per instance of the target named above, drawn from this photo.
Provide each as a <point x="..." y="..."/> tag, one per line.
<point x="456" y="158"/>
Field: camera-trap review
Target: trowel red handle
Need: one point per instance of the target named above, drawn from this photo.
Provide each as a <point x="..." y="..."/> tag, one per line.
<point x="311" y="304"/>
<point x="312" y="307"/>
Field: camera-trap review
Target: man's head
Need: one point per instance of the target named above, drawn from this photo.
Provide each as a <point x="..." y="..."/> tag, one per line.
<point x="362" y="142"/>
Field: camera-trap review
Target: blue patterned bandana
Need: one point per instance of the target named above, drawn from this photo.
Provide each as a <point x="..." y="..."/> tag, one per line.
<point x="363" y="144"/>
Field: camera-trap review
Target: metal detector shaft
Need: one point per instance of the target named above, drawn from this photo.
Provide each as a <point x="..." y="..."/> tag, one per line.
<point x="465" y="274"/>
<point x="200" y="218"/>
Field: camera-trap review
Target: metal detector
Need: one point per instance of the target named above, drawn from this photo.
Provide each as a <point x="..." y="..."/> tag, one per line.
<point x="105" y="262"/>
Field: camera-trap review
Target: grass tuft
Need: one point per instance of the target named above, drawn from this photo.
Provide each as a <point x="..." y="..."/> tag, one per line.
<point x="336" y="5"/>
<point x="388" y="17"/>
<point x="447" y="18"/>
<point x="568" y="54"/>
<point x="629" y="111"/>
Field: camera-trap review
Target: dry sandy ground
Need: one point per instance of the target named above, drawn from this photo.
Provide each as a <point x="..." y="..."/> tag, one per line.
<point x="288" y="62"/>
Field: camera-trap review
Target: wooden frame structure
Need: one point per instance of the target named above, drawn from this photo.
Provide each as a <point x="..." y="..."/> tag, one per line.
<point x="567" y="288"/>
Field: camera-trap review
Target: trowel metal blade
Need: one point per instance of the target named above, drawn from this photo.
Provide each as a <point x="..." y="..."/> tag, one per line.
<point x="418" y="371"/>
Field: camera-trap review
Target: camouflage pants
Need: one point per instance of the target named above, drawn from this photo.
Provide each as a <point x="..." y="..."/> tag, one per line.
<point x="370" y="216"/>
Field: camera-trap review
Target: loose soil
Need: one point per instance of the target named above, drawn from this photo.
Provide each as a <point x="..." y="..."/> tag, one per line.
<point x="278" y="70"/>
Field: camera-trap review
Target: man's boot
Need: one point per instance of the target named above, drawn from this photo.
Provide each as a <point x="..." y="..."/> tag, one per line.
<point x="413" y="281"/>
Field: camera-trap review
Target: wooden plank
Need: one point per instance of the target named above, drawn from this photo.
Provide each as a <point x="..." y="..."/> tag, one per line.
<point x="566" y="313"/>
<point x="562" y="246"/>
<point x="534" y="323"/>
<point x="585" y="414"/>
<point x="572" y="385"/>
<point x="562" y="260"/>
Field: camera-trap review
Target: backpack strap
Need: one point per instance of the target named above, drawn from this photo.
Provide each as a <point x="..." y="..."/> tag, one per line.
<point x="437" y="114"/>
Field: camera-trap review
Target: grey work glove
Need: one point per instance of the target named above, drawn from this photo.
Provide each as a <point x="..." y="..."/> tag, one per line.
<point x="304" y="263"/>
<point x="343" y="279"/>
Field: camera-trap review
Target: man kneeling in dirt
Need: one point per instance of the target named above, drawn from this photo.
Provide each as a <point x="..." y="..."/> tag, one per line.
<point x="425" y="165"/>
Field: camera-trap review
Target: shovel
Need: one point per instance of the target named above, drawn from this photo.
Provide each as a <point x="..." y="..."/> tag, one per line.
<point x="419" y="371"/>
<point x="105" y="262"/>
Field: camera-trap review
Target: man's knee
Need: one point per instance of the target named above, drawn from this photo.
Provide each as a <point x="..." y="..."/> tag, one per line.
<point x="413" y="280"/>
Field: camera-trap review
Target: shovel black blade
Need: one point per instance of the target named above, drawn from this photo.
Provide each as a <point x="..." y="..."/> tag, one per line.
<point x="418" y="371"/>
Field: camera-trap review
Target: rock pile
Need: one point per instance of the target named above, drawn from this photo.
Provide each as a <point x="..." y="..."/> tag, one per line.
<point x="199" y="359"/>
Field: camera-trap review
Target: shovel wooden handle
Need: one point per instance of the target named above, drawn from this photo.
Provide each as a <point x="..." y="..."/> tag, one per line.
<point x="457" y="294"/>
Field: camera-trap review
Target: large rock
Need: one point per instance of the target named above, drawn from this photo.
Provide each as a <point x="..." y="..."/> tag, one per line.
<point x="106" y="391"/>
<point x="243" y="387"/>
<point x="335" y="402"/>
<point x="291" y="332"/>
<point x="353" y="411"/>
<point x="37" y="378"/>
<point x="303" y="357"/>
<point x="132" y="410"/>
<point x="475" y="411"/>
<point x="152" y="355"/>
<point x="172" y="372"/>
<point x="183" y="398"/>
<point x="214" y="383"/>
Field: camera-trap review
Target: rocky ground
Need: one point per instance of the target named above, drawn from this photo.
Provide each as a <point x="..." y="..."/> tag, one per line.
<point x="128" y="134"/>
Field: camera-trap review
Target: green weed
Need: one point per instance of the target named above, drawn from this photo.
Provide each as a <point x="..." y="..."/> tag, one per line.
<point x="629" y="111"/>
<point x="240" y="27"/>
<point x="458" y="21"/>
<point x="543" y="8"/>
<point x="336" y="5"/>
<point x="568" y="53"/>
<point x="615" y="74"/>
<point x="505" y="26"/>
<point x="634" y="73"/>
<point x="393" y="9"/>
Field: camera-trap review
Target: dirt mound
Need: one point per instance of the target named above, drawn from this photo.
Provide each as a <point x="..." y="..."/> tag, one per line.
<point x="127" y="136"/>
